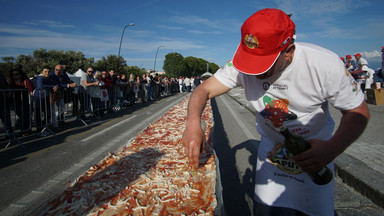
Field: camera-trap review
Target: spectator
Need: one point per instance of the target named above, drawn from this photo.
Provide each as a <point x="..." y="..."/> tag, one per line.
<point x="150" y="87"/>
<point x="131" y="92"/>
<point x="193" y="83"/>
<point x="61" y="79"/>
<point x="21" y="99"/>
<point x="104" y="85"/>
<point x="350" y="64"/>
<point x="111" y="90"/>
<point x="69" y="84"/>
<point x="187" y="83"/>
<point x="380" y="71"/>
<point x="181" y="83"/>
<point x="363" y="74"/>
<point x="34" y="79"/>
<point x="144" y="86"/>
<point x="91" y="86"/>
<point x="197" y="81"/>
<point x="124" y="87"/>
<point x="268" y="57"/>
<point x="44" y="105"/>
<point x="4" y="106"/>
<point x="156" y="87"/>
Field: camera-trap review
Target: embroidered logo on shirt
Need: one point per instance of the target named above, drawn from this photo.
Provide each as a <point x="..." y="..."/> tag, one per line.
<point x="251" y="41"/>
<point x="276" y="111"/>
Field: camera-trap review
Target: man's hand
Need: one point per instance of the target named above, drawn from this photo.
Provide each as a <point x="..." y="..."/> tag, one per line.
<point x="72" y="85"/>
<point x="319" y="155"/>
<point x="193" y="138"/>
<point x="352" y="125"/>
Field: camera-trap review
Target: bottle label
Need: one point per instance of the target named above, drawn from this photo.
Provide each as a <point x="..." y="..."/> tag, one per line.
<point x="280" y="157"/>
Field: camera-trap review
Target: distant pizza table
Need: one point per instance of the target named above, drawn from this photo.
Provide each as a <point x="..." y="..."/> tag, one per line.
<point x="150" y="176"/>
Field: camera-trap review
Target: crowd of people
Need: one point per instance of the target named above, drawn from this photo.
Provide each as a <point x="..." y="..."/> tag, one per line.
<point x="51" y="96"/>
<point x="358" y="68"/>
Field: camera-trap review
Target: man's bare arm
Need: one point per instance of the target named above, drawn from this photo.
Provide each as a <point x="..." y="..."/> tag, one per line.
<point x="193" y="136"/>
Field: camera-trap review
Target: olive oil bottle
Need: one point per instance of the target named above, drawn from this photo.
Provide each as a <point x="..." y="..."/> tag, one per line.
<point x="295" y="145"/>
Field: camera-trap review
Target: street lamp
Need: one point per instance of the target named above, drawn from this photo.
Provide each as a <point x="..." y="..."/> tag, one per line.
<point x="122" y="35"/>
<point x="154" y="65"/>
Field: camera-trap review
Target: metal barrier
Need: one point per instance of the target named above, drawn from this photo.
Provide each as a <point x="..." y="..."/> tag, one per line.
<point x="15" y="113"/>
<point x="46" y="109"/>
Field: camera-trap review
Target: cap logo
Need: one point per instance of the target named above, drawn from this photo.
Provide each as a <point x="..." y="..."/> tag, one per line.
<point x="251" y="41"/>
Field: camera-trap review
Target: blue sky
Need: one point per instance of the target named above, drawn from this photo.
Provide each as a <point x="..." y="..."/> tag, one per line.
<point x="201" y="28"/>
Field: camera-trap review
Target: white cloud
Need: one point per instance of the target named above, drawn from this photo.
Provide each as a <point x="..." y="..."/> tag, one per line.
<point x="208" y="25"/>
<point x="49" y="23"/>
<point x="204" y="32"/>
<point x="170" y="27"/>
<point x="16" y="39"/>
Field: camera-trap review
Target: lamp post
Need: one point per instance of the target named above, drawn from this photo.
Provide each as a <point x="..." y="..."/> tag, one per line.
<point x="122" y="35"/>
<point x="154" y="65"/>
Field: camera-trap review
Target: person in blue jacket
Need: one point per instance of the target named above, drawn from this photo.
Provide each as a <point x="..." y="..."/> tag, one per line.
<point x="65" y="83"/>
<point x="44" y="99"/>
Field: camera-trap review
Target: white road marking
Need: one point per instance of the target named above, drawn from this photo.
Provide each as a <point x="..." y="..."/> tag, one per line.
<point x="107" y="129"/>
<point x="247" y="132"/>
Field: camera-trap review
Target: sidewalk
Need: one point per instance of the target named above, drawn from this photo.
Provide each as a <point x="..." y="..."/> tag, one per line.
<point x="361" y="165"/>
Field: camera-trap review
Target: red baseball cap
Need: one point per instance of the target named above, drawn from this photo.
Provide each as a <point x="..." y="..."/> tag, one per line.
<point x="263" y="36"/>
<point x="341" y="57"/>
<point x="348" y="56"/>
<point x="357" y="54"/>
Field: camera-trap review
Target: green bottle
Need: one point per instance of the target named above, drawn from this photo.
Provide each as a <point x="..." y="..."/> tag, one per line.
<point x="296" y="144"/>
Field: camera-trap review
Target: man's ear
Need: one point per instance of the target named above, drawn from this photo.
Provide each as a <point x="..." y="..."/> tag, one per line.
<point x="290" y="49"/>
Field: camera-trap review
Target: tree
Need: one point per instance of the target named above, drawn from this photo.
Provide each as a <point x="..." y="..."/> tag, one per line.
<point x="213" y="67"/>
<point x="112" y="62"/>
<point x="174" y="64"/>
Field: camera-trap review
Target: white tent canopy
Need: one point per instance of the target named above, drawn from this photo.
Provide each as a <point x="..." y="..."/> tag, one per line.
<point x="206" y="74"/>
<point x="76" y="77"/>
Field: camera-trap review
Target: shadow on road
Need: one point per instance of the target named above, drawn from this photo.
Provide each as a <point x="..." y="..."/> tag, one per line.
<point x="237" y="193"/>
<point x="100" y="188"/>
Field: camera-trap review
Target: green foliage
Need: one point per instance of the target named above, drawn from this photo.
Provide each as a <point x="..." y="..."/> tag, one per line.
<point x="34" y="63"/>
<point x="176" y="65"/>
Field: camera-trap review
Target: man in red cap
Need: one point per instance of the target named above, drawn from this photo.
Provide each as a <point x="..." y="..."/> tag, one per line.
<point x="350" y="64"/>
<point x="288" y="85"/>
<point x="362" y="73"/>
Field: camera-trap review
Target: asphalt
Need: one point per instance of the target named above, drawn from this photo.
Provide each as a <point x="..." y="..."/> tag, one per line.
<point x="361" y="165"/>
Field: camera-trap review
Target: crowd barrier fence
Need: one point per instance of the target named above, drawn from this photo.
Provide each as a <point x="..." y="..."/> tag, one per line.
<point x="44" y="110"/>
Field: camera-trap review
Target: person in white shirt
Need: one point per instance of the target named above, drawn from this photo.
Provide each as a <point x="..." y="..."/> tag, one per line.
<point x="289" y="85"/>
<point x="187" y="83"/>
<point x="181" y="83"/>
<point x="363" y="74"/>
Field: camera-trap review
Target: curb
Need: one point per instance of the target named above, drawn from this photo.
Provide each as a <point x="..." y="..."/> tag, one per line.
<point x="360" y="177"/>
<point x="351" y="171"/>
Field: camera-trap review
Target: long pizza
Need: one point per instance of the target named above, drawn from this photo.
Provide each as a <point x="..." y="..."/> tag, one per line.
<point x="149" y="176"/>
